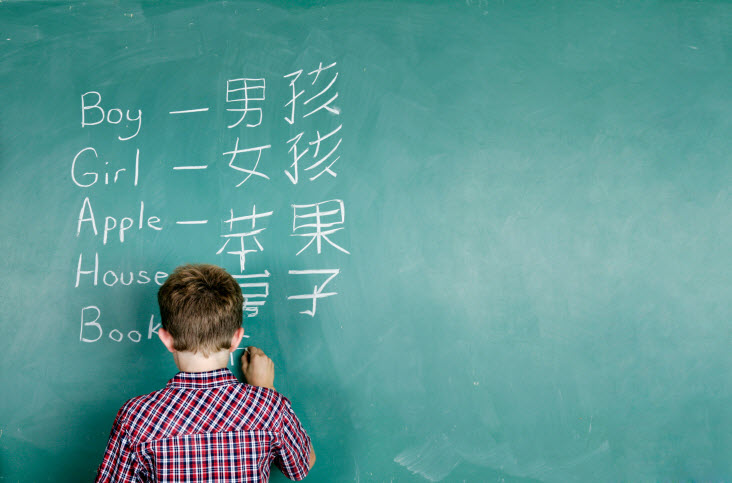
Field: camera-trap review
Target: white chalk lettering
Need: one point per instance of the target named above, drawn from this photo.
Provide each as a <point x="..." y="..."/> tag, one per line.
<point x="85" y="108"/>
<point x="90" y="316"/>
<point x="92" y="323"/>
<point x="318" y="220"/>
<point x="113" y="116"/>
<point x="84" y="206"/>
<point x="94" y="175"/>
<point x="188" y="111"/>
<point x="317" y="290"/>
<point x="115" y="279"/>
<point x="245" y="91"/>
<point x="111" y="277"/>
<point x="80" y="272"/>
<point x="152" y="328"/>
<point x="86" y="214"/>
<point x="109" y="116"/>
<point x="122" y="278"/>
<point x="90" y="178"/>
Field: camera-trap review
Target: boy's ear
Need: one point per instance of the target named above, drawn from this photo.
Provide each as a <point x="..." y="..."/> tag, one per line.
<point x="166" y="339"/>
<point x="236" y="339"/>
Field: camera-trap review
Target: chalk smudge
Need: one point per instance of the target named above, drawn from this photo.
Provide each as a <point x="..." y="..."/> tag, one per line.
<point x="433" y="460"/>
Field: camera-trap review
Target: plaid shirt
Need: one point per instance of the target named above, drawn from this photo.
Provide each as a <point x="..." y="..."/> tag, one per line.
<point x="205" y="427"/>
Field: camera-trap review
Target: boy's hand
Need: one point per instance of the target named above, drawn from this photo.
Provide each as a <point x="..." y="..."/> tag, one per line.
<point x="258" y="369"/>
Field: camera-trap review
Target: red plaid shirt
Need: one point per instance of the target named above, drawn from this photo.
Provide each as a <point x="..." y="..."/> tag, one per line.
<point x="205" y="426"/>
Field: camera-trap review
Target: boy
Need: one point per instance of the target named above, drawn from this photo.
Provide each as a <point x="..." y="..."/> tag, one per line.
<point x="205" y="425"/>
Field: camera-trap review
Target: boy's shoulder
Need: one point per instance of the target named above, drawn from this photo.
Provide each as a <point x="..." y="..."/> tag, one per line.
<point x="168" y="411"/>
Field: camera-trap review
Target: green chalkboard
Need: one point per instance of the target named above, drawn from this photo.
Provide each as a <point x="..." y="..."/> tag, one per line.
<point x="487" y="241"/>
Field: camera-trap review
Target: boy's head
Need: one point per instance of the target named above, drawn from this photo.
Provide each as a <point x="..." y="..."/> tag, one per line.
<point x="201" y="308"/>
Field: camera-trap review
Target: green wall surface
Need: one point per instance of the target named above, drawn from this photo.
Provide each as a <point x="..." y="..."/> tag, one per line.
<point x="511" y="229"/>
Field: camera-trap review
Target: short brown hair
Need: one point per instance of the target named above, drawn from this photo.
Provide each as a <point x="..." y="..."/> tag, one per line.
<point x="201" y="307"/>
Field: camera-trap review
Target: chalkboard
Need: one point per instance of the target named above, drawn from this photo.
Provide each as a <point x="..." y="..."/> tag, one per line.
<point x="481" y="240"/>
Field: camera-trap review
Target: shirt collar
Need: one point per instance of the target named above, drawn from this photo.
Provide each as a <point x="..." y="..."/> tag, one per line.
<point x="203" y="380"/>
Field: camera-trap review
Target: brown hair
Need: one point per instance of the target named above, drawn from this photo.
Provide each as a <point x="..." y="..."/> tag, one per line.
<point x="201" y="307"/>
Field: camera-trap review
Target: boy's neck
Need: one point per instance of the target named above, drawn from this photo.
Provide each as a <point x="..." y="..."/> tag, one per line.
<point x="196" y="362"/>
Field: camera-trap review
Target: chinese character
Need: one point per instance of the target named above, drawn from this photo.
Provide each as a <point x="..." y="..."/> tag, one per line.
<point x="327" y="104"/>
<point x="253" y="290"/>
<point x="317" y="291"/>
<point x="319" y="103"/>
<point x="297" y="154"/>
<point x="245" y="90"/>
<point x="296" y="157"/>
<point x="242" y="251"/>
<point x="295" y="95"/>
<point x="250" y="172"/>
<point x="314" y="220"/>
<point x="327" y="156"/>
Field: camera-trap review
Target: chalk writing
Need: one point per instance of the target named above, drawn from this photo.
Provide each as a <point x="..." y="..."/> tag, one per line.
<point x="110" y="278"/>
<point x="318" y="223"/>
<point x="250" y="172"/>
<point x="242" y="250"/>
<point x="245" y="91"/>
<point x="322" y="101"/>
<point x="90" y="178"/>
<point x="255" y="293"/>
<point x="313" y="143"/>
<point x="112" y="116"/>
<point x="91" y="328"/>
<point x="317" y="290"/>
<point x="140" y="222"/>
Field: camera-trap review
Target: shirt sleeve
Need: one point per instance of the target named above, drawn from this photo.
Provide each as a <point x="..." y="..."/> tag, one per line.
<point x="119" y="463"/>
<point x="293" y="449"/>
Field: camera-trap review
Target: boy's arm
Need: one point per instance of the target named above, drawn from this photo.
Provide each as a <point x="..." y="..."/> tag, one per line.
<point x="295" y="447"/>
<point x="311" y="458"/>
<point x="119" y="462"/>
<point x="294" y="452"/>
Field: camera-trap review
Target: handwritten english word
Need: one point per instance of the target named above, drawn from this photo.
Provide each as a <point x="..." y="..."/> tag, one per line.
<point x="110" y="278"/>
<point x="86" y="215"/>
<point x="91" y="330"/>
<point x="112" y="116"/>
<point x="90" y="178"/>
<point x="91" y="326"/>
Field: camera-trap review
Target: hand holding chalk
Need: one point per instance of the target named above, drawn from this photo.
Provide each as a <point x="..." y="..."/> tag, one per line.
<point x="258" y="369"/>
